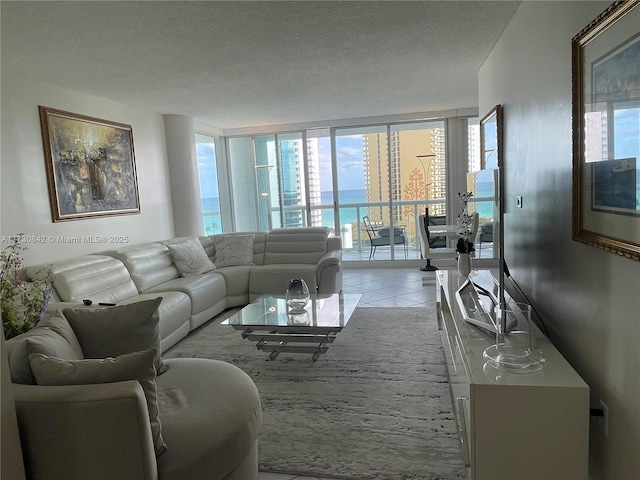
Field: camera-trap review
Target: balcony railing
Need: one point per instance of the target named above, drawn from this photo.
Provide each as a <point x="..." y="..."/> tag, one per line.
<point x="354" y="236"/>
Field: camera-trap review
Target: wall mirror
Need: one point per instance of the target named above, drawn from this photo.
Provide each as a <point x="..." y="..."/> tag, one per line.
<point x="606" y="131"/>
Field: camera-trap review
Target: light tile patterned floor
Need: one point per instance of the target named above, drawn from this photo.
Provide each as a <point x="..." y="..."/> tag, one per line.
<point x="391" y="287"/>
<point x="380" y="287"/>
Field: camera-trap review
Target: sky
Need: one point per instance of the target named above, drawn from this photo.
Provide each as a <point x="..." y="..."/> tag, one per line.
<point x="350" y="165"/>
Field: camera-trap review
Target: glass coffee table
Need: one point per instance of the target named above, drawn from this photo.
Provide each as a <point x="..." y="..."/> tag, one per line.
<point x="275" y="328"/>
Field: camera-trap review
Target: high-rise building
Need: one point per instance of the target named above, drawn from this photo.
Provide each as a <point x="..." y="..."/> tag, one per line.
<point x="313" y="177"/>
<point x="292" y="182"/>
<point x="406" y="177"/>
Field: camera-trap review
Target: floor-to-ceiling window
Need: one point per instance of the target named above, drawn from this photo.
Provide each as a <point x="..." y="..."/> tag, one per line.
<point x="281" y="181"/>
<point x="336" y="176"/>
<point x="418" y="174"/>
<point x="361" y="175"/>
<point x="209" y="192"/>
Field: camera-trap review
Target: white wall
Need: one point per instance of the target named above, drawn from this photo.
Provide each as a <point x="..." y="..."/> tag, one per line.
<point x="590" y="298"/>
<point x="25" y="199"/>
<point x="183" y="172"/>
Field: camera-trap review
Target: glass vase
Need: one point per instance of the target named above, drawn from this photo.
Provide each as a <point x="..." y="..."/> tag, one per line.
<point x="297" y="295"/>
<point x="514" y="349"/>
<point x="464" y="264"/>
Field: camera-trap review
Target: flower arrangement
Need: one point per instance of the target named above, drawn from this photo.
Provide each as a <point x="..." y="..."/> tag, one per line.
<point x="24" y="303"/>
<point x="465" y="224"/>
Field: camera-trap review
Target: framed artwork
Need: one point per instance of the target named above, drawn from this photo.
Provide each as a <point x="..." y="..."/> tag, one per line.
<point x="90" y="164"/>
<point x="491" y="138"/>
<point x="606" y="131"/>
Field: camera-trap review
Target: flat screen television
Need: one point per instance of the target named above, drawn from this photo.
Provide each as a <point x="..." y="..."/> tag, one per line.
<point x="475" y="301"/>
<point x="478" y="303"/>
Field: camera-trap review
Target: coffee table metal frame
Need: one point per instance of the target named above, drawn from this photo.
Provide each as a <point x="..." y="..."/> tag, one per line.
<point x="268" y="322"/>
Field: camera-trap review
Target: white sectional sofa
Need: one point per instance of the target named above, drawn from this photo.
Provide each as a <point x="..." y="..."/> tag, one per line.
<point x="138" y="272"/>
<point x="209" y="411"/>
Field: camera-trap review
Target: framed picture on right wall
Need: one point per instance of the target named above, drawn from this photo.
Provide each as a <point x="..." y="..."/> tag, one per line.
<point x="606" y="131"/>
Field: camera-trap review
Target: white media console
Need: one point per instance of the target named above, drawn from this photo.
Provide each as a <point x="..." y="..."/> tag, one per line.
<point x="512" y="425"/>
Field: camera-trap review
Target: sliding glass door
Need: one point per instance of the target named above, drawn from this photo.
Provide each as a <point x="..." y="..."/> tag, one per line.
<point x="362" y="183"/>
<point x="418" y="174"/>
<point x="335" y="177"/>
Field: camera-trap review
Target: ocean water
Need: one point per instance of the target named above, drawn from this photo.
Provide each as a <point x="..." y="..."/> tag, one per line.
<point x="485" y="209"/>
<point x="347" y="214"/>
<point x="212" y="222"/>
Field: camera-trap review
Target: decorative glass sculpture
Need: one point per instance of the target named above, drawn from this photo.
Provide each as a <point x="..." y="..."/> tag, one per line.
<point x="514" y="350"/>
<point x="297" y="295"/>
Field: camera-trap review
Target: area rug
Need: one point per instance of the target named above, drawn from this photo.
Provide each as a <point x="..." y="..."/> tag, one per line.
<point x="375" y="406"/>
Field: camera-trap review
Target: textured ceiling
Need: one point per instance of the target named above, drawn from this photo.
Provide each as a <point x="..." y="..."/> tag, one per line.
<point x="255" y="63"/>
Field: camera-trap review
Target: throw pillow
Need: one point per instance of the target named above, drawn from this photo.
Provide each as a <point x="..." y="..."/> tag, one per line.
<point x="233" y="250"/>
<point x="131" y="366"/>
<point x="113" y="331"/>
<point x="190" y="258"/>
<point x="53" y="334"/>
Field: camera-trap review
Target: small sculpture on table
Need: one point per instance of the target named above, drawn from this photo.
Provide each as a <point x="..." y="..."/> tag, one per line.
<point x="297" y="295"/>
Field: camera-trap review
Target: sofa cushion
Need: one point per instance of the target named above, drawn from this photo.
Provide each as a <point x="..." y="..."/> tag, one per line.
<point x="190" y="258"/>
<point x="233" y="250"/>
<point x="99" y="278"/>
<point x="132" y="366"/>
<point x="274" y="279"/>
<point x="211" y="417"/>
<point x="204" y="290"/>
<point x="113" y="331"/>
<point x="386" y="231"/>
<point x="305" y="245"/>
<point x="149" y="264"/>
<point x="52" y="336"/>
<point x="236" y="280"/>
<point x="63" y="342"/>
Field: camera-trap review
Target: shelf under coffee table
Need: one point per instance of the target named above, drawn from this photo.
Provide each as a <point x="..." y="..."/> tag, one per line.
<point x="275" y="329"/>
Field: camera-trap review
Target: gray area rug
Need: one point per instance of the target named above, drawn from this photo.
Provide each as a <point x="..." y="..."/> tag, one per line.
<point x="375" y="406"/>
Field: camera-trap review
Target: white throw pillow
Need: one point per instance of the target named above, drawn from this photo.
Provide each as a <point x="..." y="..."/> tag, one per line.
<point x="112" y="331"/>
<point x="190" y="258"/>
<point x="131" y="366"/>
<point x="233" y="250"/>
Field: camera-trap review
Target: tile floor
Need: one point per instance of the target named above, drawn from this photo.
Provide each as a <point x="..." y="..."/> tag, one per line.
<point x="391" y="287"/>
<point x="380" y="287"/>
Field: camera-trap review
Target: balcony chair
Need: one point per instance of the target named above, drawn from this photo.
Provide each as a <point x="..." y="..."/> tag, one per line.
<point x="429" y="253"/>
<point x="485" y="235"/>
<point x="383" y="236"/>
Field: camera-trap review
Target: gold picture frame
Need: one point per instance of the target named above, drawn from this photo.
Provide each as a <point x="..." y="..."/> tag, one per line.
<point x="606" y="131"/>
<point x="491" y="139"/>
<point x="90" y="164"/>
